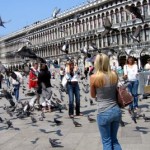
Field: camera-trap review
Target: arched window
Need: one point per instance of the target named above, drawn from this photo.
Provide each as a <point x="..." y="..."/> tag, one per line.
<point x="123" y="36"/>
<point x="127" y="16"/>
<point x="117" y="16"/>
<point x="122" y="14"/>
<point x="108" y="39"/>
<point x="146" y="32"/>
<point x="83" y="27"/>
<point x="94" y="22"/>
<point x="117" y="37"/>
<point x="145" y="8"/>
<point x="99" y="21"/>
<point x="128" y="35"/>
<point x="91" y="25"/>
<point x="112" y="17"/>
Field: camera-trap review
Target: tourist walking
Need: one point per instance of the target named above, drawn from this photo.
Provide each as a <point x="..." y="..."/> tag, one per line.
<point x="44" y="87"/>
<point x="103" y="85"/>
<point x="130" y="75"/>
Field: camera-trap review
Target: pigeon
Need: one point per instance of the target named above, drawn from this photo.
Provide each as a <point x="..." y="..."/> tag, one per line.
<point x="146" y="118"/>
<point x="65" y="48"/>
<point x="2" y="68"/>
<point x="33" y="119"/>
<point x="91" y="102"/>
<point x="91" y="120"/>
<point x="108" y="27"/>
<point x="76" y="124"/>
<point x="41" y="119"/>
<point x="56" y="12"/>
<point x="84" y="51"/>
<point x="43" y="115"/>
<point x="34" y="142"/>
<point x="26" y="52"/>
<point x="58" y="132"/>
<point x="135" y="11"/>
<point x="136" y="34"/>
<point x="58" y="122"/>
<point x="77" y="17"/>
<point x="27" y="41"/>
<point x="2" y="22"/>
<point x="133" y="116"/>
<point x="1" y="120"/>
<point x="85" y="99"/>
<point x="9" y="113"/>
<point x="122" y="123"/>
<point x="9" y="124"/>
<point x="93" y="46"/>
<point x="85" y="90"/>
<point x="54" y="143"/>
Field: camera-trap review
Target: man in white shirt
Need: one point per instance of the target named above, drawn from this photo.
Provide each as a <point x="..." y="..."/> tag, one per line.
<point x="16" y="79"/>
<point x="147" y="66"/>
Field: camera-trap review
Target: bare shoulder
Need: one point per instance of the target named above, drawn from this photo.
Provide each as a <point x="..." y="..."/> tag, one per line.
<point x="92" y="76"/>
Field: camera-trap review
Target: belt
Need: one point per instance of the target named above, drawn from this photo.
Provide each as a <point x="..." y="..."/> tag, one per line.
<point x="73" y="82"/>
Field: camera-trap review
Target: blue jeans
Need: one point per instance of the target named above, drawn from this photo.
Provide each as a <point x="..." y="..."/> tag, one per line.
<point x="133" y="88"/>
<point x="108" y="124"/>
<point x="16" y="91"/>
<point x="8" y="83"/>
<point x="73" y="89"/>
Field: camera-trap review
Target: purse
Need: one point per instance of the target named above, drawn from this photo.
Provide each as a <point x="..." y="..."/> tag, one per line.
<point x="124" y="98"/>
<point x="147" y="89"/>
<point x="147" y="86"/>
<point x="64" y="82"/>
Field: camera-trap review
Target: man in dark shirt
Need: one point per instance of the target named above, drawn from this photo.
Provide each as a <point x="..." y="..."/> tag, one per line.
<point x="44" y="86"/>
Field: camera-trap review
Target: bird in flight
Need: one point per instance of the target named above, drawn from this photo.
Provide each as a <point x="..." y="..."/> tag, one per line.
<point x="108" y="27"/>
<point x="135" y="11"/>
<point x="56" y="12"/>
<point x="3" y="22"/>
<point x="136" y="34"/>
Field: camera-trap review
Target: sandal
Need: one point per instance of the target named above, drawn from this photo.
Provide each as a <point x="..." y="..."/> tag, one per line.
<point x="80" y="114"/>
<point x="71" y="116"/>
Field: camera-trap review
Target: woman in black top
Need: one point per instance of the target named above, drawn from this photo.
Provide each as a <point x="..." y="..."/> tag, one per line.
<point x="44" y="85"/>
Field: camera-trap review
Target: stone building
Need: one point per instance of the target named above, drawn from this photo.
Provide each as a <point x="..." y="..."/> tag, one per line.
<point x="49" y="35"/>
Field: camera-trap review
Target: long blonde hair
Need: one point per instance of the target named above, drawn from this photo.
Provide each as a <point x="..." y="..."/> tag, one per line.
<point x="102" y="68"/>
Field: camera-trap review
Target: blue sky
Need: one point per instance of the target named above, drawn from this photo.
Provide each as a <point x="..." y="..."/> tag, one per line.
<point x="26" y="12"/>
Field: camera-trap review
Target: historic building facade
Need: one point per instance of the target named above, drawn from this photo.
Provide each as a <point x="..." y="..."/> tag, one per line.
<point x="49" y="35"/>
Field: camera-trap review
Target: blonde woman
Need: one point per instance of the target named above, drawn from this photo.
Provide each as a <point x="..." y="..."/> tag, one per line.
<point x="103" y="85"/>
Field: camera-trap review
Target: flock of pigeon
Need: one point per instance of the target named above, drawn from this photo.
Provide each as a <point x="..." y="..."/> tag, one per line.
<point x="23" y="109"/>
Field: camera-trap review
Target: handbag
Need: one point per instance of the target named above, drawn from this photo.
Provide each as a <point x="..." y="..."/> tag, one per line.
<point x="147" y="89"/>
<point x="147" y="86"/>
<point x="124" y="97"/>
<point x="64" y="82"/>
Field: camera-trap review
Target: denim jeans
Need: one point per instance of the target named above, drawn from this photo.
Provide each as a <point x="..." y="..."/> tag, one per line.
<point x="16" y="91"/>
<point x="108" y="124"/>
<point x="73" y="89"/>
<point x="8" y="83"/>
<point x="133" y="88"/>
